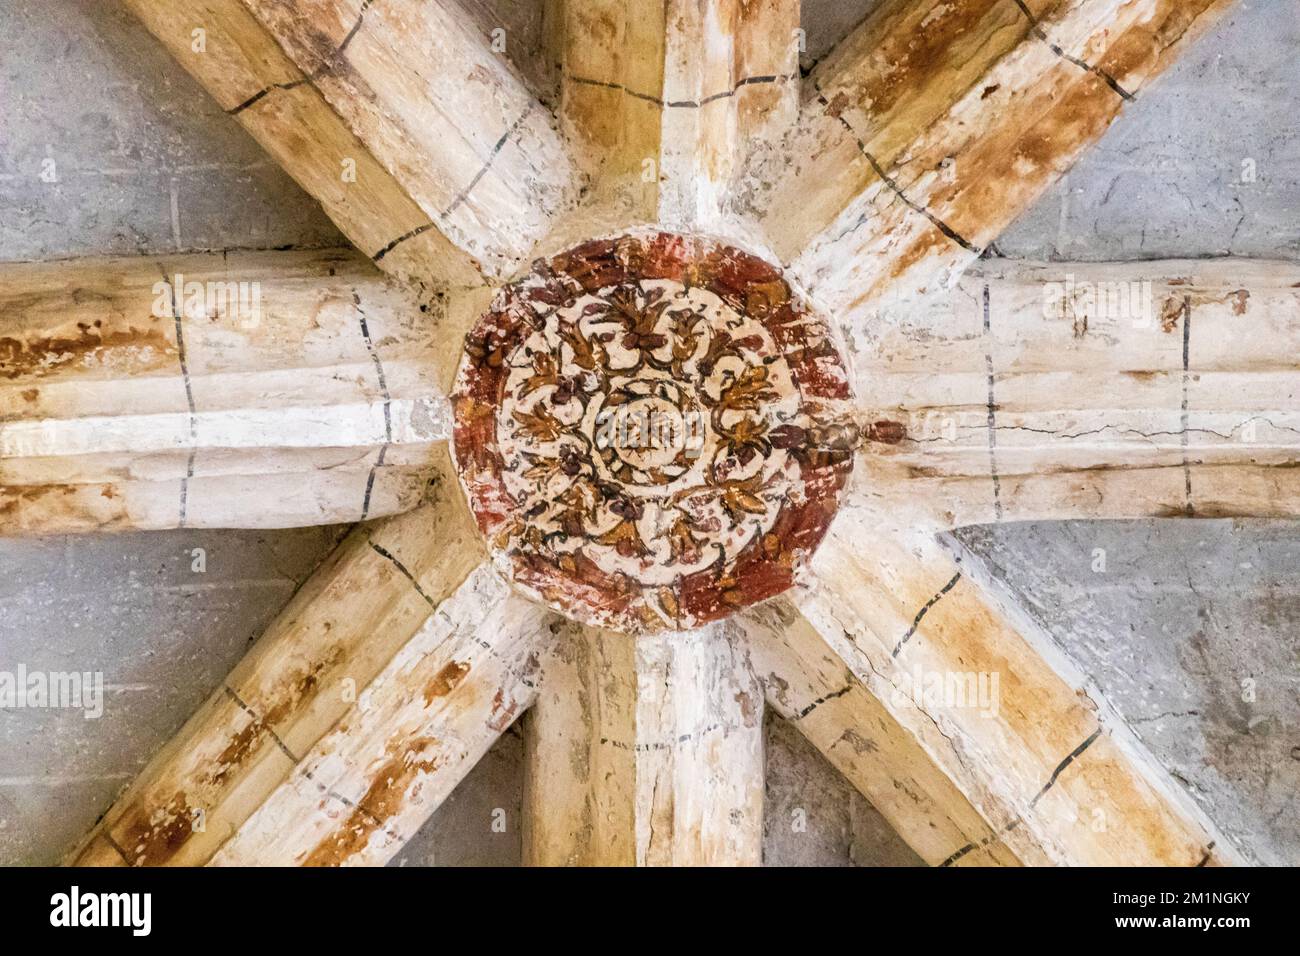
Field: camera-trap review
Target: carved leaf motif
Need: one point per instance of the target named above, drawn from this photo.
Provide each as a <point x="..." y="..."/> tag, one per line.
<point x="584" y="352"/>
<point x="745" y="439"/>
<point x="682" y="543"/>
<point x="545" y="373"/>
<point x="625" y="539"/>
<point x="748" y="391"/>
<point x="739" y="501"/>
<point x="541" y="425"/>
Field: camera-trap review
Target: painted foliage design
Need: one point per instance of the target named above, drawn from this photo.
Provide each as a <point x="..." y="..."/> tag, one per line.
<point x="647" y="431"/>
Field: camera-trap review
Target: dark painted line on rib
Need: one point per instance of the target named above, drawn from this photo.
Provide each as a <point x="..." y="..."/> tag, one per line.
<point x="189" y="399"/>
<point x="660" y="745"/>
<point x="263" y="93"/>
<point x="819" y="701"/>
<point x="418" y="230"/>
<point x="920" y="615"/>
<point x="108" y="838"/>
<point x="500" y="144"/>
<point x="684" y="104"/>
<point x="388" y="402"/>
<point x="353" y="805"/>
<point x="258" y="720"/>
<point x="1041" y="34"/>
<point x="356" y="28"/>
<point x="383" y="552"/>
<point x="964" y="850"/>
<point x="312" y="77"/>
<point x="998" y="834"/>
<point x="992" y="406"/>
<point x="464" y="193"/>
<point x="1184" y="439"/>
<point x="1060" y="768"/>
<point x="889" y="181"/>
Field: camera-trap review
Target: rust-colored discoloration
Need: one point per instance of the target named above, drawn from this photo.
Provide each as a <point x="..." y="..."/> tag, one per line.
<point x="73" y="506"/>
<point x="445" y="681"/>
<point x="1009" y="145"/>
<point x="1171" y="312"/>
<point x="290" y="695"/>
<point x="150" y="835"/>
<point x="236" y="751"/>
<point x="908" y="55"/>
<point x="62" y="507"/>
<point x="887" y="432"/>
<point x="13" y="497"/>
<point x="42" y="355"/>
<point x="1240" y="301"/>
<point x="390" y="787"/>
<point x="30" y="394"/>
<point x="505" y="707"/>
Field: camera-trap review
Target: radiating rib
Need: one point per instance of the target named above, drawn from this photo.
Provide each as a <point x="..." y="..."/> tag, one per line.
<point x="249" y="389"/>
<point x="368" y="785"/>
<point x="645" y="752"/>
<point x="998" y="707"/>
<point x="665" y="97"/>
<point x="1094" y="390"/>
<point x="810" y="686"/>
<point x="343" y="627"/>
<point x="936" y="123"/>
<point x="239" y="63"/>
<point x="397" y="116"/>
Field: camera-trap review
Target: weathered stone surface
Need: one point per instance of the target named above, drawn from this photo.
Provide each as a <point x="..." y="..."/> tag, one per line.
<point x="1123" y="204"/>
<point x="1190" y="630"/>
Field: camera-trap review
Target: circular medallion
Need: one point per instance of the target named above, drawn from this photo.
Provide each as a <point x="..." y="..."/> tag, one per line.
<point x="647" y="429"/>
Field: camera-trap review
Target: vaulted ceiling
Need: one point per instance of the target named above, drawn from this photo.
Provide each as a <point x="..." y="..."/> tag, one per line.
<point x="865" y="190"/>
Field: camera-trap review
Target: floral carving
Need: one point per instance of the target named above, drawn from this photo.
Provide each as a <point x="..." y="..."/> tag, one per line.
<point x="641" y="428"/>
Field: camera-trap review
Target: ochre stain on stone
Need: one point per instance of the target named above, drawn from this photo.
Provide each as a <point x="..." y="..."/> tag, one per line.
<point x="383" y="800"/>
<point x="503" y="711"/>
<point x="1171" y="313"/>
<point x="445" y="681"/>
<point x="42" y="355"/>
<point x="152" y="836"/>
<point x="886" y="432"/>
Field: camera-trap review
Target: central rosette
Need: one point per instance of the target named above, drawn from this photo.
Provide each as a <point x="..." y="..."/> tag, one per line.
<point x="641" y="425"/>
